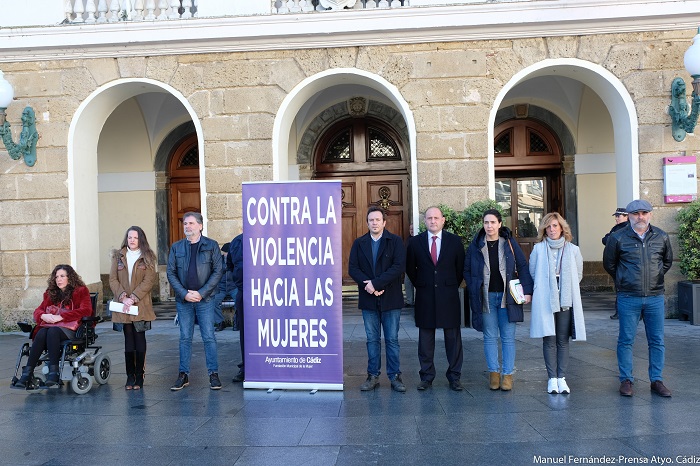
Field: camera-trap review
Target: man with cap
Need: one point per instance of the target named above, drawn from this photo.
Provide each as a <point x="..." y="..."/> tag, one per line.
<point x="638" y="257"/>
<point x="620" y="215"/>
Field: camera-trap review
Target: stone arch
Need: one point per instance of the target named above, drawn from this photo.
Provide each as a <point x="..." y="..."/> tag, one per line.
<point x="160" y="165"/>
<point x="307" y="88"/>
<point x="615" y="97"/>
<point x="83" y="136"/>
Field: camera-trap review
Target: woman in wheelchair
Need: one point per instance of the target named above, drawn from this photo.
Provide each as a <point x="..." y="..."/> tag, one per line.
<point x="66" y="301"/>
<point x="131" y="279"/>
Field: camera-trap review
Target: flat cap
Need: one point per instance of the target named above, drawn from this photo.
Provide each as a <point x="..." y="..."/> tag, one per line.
<point x="639" y="205"/>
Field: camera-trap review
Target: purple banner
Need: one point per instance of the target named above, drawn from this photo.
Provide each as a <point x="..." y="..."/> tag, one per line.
<point x="292" y="285"/>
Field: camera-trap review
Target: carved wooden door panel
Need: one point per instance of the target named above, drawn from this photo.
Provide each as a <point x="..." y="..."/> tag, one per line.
<point x="184" y="185"/>
<point x="359" y="193"/>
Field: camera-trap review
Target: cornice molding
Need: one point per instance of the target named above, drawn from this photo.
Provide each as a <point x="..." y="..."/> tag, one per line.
<point x="348" y="28"/>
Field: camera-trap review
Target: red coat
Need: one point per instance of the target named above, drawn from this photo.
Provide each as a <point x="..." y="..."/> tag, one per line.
<point x="79" y="307"/>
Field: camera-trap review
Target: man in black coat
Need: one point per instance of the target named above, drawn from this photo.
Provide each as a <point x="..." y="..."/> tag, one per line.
<point x="434" y="263"/>
<point x="377" y="261"/>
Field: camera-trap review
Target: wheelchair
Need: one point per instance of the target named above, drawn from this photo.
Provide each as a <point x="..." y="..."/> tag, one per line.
<point x="82" y="362"/>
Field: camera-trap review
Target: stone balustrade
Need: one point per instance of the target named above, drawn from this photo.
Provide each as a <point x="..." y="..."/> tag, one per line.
<point x="112" y="11"/>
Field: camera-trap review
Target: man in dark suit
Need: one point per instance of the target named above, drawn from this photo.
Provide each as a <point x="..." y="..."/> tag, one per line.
<point x="377" y="261"/>
<point x="434" y="263"/>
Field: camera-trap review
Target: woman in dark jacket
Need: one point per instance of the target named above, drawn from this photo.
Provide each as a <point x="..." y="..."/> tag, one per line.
<point x="66" y="301"/>
<point x="491" y="262"/>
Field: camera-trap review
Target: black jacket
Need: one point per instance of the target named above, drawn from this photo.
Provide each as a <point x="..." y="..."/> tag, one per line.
<point x="386" y="276"/>
<point x="637" y="266"/>
<point x="618" y="226"/>
<point x="474" y="274"/>
<point x="210" y="267"/>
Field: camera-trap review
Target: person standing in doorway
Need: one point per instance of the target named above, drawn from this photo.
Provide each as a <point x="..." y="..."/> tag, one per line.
<point x="637" y="257"/>
<point x="434" y="263"/>
<point x="620" y="215"/>
<point x="195" y="267"/>
<point x="377" y="262"/>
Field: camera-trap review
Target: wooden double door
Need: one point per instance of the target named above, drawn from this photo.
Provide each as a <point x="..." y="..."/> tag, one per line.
<point x="528" y="160"/>
<point x="369" y="157"/>
<point x="359" y="193"/>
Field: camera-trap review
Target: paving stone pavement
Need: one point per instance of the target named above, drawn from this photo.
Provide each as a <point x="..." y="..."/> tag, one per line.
<point x="593" y="424"/>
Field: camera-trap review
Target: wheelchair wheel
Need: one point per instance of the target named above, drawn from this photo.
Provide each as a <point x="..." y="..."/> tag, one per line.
<point x="102" y="369"/>
<point x="81" y="384"/>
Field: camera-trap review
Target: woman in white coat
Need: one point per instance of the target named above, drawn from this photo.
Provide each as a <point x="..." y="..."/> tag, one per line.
<point x="556" y="267"/>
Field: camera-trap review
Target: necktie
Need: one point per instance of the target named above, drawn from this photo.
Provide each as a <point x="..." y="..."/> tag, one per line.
<point x="433" y="250"/>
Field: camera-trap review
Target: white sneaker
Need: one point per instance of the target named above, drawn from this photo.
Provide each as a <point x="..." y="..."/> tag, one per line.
<point x="563" y="387"/>
<point x="552" y="386"/>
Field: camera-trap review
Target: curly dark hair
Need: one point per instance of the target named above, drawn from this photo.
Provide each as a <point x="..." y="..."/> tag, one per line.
<point x="57" y="295"/>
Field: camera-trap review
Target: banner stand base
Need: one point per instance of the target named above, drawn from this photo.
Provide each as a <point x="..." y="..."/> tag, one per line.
<point x="293" y="386"/>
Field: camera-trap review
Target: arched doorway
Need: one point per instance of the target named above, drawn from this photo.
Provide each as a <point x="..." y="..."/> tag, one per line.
<point x="528" y="165"/>
<point x="183" y="171"/>
<point x="371" y="160"/>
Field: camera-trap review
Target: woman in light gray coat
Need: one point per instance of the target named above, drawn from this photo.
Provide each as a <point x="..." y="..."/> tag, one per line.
<point x="556" y="267"/>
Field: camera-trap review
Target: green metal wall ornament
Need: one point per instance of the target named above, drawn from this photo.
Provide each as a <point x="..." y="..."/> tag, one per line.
<point x="681" y="121"/>
<point x="27" y="138"/>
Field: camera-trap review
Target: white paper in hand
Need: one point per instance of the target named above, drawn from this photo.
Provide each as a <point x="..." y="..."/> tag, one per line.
<point x="119" y="307"/>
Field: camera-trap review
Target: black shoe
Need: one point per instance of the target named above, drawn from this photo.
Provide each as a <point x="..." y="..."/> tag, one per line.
<point x="220" y="326"/>
<point x="371" y="383"/>
<point x="424" y="385"/>
<point x="614" y="316"/>
<point x="397" y="384"/>
<point x="240" y="377"/>
<point x="26" y="378"/>
<point x="214" y="382"/>
<point x="456" y="386"/>
<point x="182" y="381"/>
<point x="52" y="379"/>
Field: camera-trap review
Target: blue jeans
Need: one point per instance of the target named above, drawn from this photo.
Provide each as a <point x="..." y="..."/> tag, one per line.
<point x="374" y="321"/>
<point x="497" y="319"/>
<point x="205" y="317"/>
<point x="629" y="309"/>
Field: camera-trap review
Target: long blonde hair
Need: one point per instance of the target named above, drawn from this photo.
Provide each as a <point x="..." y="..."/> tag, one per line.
<point x="547" y="219"/>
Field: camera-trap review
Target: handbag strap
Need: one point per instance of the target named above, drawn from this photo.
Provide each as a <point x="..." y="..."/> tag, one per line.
<point x="513" y="252"/>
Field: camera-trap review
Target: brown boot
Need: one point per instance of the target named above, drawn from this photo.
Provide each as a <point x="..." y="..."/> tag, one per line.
<point x="507" y="383"/>
<point x="494" y="380"/>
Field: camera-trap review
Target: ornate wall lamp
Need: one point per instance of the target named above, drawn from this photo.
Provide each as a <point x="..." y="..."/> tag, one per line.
<point x="27" y="138"/>
<point x="681" y="121"/>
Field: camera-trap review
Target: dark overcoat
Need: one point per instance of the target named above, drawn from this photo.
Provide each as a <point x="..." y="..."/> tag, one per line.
<point x="437" y="286"/>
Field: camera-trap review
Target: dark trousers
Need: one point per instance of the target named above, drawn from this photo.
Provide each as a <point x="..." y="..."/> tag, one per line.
<point x="241" y="326"/>
<point x="47" y="339"/>
<point x="453" y="349"/>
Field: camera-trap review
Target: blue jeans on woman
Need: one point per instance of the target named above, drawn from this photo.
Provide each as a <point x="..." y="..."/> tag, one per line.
<point x="374" y="322"/>
<point x="494" y="321"/>
<point x="205" y="318"/>
<point x="629" y="310"/>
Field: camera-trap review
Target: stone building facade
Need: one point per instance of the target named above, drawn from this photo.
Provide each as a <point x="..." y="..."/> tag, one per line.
<point x="110" y="126"/>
